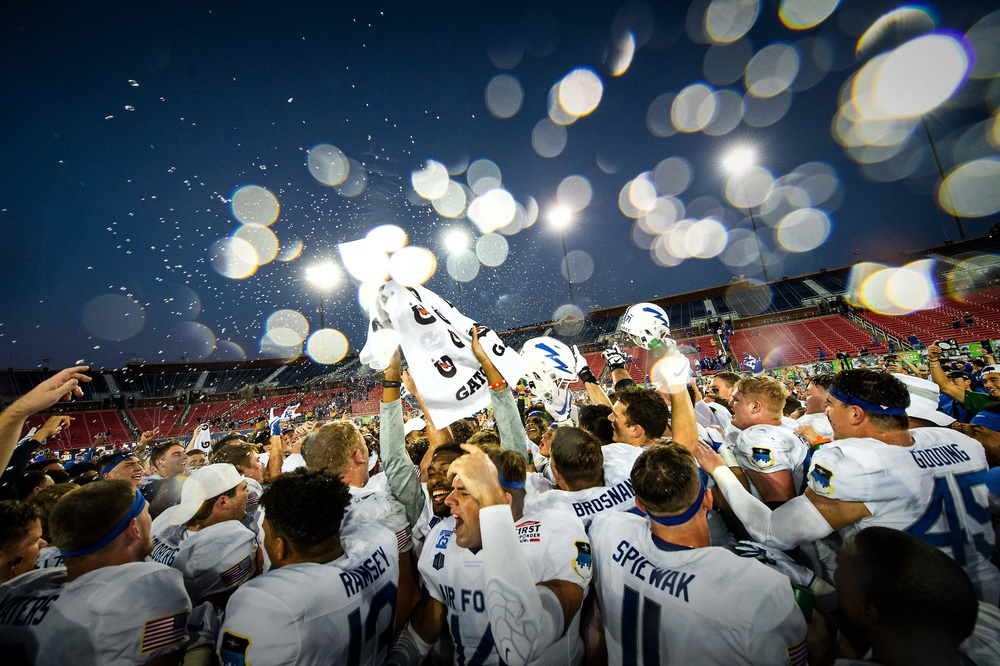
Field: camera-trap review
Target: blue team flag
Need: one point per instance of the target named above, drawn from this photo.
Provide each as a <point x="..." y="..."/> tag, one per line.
<point x="754" y="365"/>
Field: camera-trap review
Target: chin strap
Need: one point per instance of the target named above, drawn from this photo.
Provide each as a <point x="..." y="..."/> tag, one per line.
<point x="525" y="618"/>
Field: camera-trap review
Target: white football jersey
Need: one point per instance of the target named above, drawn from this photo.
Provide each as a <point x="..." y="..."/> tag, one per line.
<point x="667" y="604"/>
<point x="818" y="421"/>
<point x="382" y="508"/>
<point x="555" y="547"/>
<point x="341" y="612"/>
<point x="618" y="461"/>
<point x="586" y="503"/>
<point x="126" y="614"/>
<point x="983" y="646"/>
<point x="49" y="557"/>
<point x="934" y="490"/>
<point x="212" y="560"/>
<point x="770" y="448"/>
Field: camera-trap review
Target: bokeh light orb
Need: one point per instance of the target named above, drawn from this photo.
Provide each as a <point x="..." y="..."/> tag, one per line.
<point x="388" y="237"/>
<point x="365" y="260"/>
<point x="328" y="164"/>
<point x="234" y="258"/>
<point x="580" y="92"/>
<point x="921" y="75"/>
<point x="972" y="189"/>
<point x="262" y="239"/>
<point x="412" y="266"/>
<point x="431" y="181"/>
<point x="253" y="204"/>
<point x="492" y="249"/>
<point x="327" y="346"/>
<point x="803" y="230"/>
<point x="504" y="96"/>
<point x="805" y="14"/>
<point x="113" y="317"/>
<point x="287" y="327"/>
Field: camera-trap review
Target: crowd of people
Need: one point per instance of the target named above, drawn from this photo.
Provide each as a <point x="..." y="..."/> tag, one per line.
<point x="757" y="517"/>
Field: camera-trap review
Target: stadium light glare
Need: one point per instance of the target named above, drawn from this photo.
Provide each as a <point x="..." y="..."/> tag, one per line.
<point x="456" y="240"/>
<point x="324" y="275"/>
<point x="738" y="160"/>
<point x="561" y="217"/>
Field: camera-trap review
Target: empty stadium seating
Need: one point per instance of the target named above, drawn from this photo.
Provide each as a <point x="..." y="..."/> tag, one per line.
<point x="798" y="341"/>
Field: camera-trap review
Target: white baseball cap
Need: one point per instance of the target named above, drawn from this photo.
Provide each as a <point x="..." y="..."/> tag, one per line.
<point x="924" y="396"/>
<point x="205" y="483"/>
<point x="414" y="424"/>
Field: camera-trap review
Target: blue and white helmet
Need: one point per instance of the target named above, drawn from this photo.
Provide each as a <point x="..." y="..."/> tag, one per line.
<point x="647" y="325"/>
<point x="549" y="365"/>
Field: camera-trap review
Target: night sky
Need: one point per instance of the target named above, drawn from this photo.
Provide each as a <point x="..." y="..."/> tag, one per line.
<point x="130" y="128"/>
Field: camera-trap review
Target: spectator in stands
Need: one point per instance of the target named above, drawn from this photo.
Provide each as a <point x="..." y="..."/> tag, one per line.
<point x="955" y="323"/>
<point x="196" y="459"/>
<point x="969" y="319"/>
<point x="971" y="400"/>
<point x="948" y="405"/>
<point x="821" y="354"/>
<point x="20" y="538"/>
<point x="914" y="341"/>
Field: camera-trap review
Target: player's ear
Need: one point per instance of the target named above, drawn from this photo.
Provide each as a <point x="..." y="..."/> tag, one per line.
<point x="706" y="503"/>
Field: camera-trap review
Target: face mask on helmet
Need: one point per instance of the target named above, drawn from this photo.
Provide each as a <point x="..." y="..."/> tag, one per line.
<point x="549" y="365"/>
<point x="647" y="325"/>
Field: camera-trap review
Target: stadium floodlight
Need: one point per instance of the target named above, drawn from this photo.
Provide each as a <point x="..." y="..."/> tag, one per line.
<point x="456" y="240"/>
<point x="561" y="217"/>
<point x="324" y="275"/>
<point x="737" y="162"/>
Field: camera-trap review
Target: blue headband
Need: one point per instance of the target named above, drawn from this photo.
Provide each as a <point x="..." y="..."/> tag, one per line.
<point x="509" y="484"/>
<point x="138" y="504"/>
<point x="985" y="419"/>
<point x="117" y="460"/>
<point x="680" y="519"/>
<point x="849" y="399"/>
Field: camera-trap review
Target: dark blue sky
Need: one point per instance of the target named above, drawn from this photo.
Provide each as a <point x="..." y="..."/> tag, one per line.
<point x="129" y="127"/>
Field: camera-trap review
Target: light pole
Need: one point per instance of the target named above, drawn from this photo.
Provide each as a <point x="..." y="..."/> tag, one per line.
<point x="736" y="163"/>
<point x="561" y="217"/>
<point x="324" y="276"/>
<point x="457" y="240"/>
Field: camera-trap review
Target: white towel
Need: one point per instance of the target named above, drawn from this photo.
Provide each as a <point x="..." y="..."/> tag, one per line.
<point x="203" y="440"/>
<point x="436" y="340"/>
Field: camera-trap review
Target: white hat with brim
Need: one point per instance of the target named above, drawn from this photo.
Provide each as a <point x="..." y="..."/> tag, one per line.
<point x="924" y="396"/>
<point x="413" y="425"/>
<point x="205" y="483"/>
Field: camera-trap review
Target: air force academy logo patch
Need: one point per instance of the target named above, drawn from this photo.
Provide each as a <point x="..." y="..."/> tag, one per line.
<point x="762" y="457"/>
<point x="234" y="649"/>
<point x="822" y="480"/>
<point x="583" y="564"/>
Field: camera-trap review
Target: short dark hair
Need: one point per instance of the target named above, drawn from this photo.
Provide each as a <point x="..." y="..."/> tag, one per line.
<point x="28" y="482"/>
<point x="417" y="449"/>
<point x="226" y="440"/>
<point x="484" y="439"/>
<point x="237" y="455"/>
<point x="879" y="388"/>
<point x="450" y="447"/>
<point x="594" y="419"/>
<point x="823" y="380"/>
<point x="729" y="377"/>
<point x="665" y="477"/>
<point x="920" y="593"/>
<point x="791" y="404"/>
<point x="16" y="520"/>
<point x="511" y="465"/>
<point x="461" y="431"/>
<point x="46" y="500"/>
<point x="306" y="508"/>
<point x="159" y="450"/>
<point x="645" y="408"/>
<point x="577" y="456"/>
<point x="86" y="514"/>
<point x="195" y="452"/>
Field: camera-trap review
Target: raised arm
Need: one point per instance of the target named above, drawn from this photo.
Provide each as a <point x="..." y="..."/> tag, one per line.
<point x="61" y="386"/>
<point x="403" y="482"/>
<point x="505" y="409"/>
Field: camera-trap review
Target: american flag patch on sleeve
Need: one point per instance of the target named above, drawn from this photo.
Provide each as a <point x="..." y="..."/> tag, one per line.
<point x="163" y="632"/>
<point x="239" y="573"/>
<point x="403" y="539"/>
<point x="798" y="653"/>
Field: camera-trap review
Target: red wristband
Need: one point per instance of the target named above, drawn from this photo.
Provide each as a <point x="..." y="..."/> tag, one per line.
<point x="498" y="385"/>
